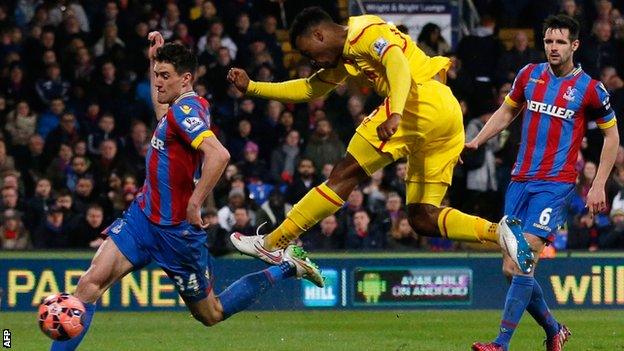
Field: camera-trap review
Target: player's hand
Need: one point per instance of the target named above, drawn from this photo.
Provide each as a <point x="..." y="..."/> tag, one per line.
<point x="156" y="41"/>
<point x="389" y="127"/>
<point x="239" y="78"/>
<point x="193" y="216"/>
<point x="472" y="145"/>
<point x="596" y="199"/>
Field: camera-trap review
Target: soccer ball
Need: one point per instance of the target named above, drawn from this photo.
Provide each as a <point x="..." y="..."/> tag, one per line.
<point x="61" y="316"/>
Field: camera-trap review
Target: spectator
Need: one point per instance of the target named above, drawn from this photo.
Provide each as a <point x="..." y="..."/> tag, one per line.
<point x="374" y="192"/>
<point x="242" y="222"/>
<point x="34" y="164"/>
<point x="572" y="9"/>
<point x="237" y="143"/>
<point x="397" y="182"/>
<point x="215" y="29"/>
<point x="598" y="50"/>
<point x="65" y="133"/>
<point x="512" y="60"/>
<point x="79" y="169"/>
<point x="20" y="126"/>
<point x="38" y="205"/>
<point x="431" y="41"/>
<point x="614" y="238"/>
<point x="6" y="162"/>
<point x="219" y="243"/>
<point x="60" y="165"/>
<point x="87" y="232"/>
<point x="481" y="178"/>
<point x="285" y="158"/>
<point x="251" y="167"/>
<point x="52" y="86"/>
<point x="392" y="212"/>
<point x="236" y="199"/>
<point x="324" y="146"/>
<point x="327" y="236"/>
<point x="51" y="118"/>
<point x="110" y="161"/>
<point x="110" y="44"/>
<point x="364" y="233"/>
<point x="326" y="171"/>
<point x="51" y="234"/>
<point x="170" y="20"/>
<point x="305" y="179"/>
<point x="401" y="236"/>
<point x="200" y="25"/>
<point x="13" y="234"/>
<point x="272" y="212"/>
<point x="105" y="131"/>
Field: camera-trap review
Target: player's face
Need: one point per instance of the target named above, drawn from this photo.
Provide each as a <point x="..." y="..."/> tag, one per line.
<point x="315" y="47"/>
<point x="169" y="84"/>
<point x="558" y="46"/>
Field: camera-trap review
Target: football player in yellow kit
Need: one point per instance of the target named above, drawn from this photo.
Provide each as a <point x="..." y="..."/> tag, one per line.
<point x="420" y="119"/>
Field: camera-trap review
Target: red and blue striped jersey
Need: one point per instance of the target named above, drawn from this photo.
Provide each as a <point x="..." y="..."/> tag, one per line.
<point x="557" y="110"/>
<point x="173" y="161"/>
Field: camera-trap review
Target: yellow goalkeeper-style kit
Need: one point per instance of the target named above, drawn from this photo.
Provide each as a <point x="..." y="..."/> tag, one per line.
<point x="430" y="134"/>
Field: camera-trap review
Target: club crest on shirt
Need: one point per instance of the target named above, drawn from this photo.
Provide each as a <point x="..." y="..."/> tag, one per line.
<point x="569" y="94"/>
<point x="380" y="45"/>
<point x="186" y="109"/>
<point x="192" y="124"/>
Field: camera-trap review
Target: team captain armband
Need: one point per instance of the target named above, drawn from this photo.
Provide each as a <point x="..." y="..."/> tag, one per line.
<point x="198" y="139"/>
<point x="509" y="101"/>
<point x="599" y="109"/>
<point x="606" y="121"/>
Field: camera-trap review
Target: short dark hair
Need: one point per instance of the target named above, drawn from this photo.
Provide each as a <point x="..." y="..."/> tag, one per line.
<point x="308" y="18"/>
<point x="562" y="22"/>
<point x="182" y="59"/>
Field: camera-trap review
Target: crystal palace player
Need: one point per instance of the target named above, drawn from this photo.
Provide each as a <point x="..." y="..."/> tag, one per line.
<point x="164" y="223"/>
<point x="559" y="99"/>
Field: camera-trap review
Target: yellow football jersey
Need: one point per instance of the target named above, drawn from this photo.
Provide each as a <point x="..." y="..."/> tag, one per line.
<point x="368" y="40"/>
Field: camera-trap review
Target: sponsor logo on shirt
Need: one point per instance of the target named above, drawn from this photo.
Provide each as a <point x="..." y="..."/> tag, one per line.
<point x="538" y="81"/>
<point x="550" y="110"/>
<point x="380" y="45"/>
<point x="192" y="124"/>
<point x="157" y="143"/>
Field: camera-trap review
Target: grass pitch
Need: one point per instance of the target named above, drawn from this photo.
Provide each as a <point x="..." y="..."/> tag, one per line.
<point x="322" y="330"/>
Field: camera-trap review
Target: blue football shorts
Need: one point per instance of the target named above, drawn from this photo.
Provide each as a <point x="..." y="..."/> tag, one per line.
<point x="540" y="205"/>
<point x="180" y="250"/>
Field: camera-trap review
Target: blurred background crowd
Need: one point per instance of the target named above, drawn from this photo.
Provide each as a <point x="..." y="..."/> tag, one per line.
<point x="76" y="119"/>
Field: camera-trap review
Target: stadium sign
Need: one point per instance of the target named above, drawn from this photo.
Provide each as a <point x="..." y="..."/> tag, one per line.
<point x="444" y="281"/>
<point x="327" y="296"/>
<point x="392" y="286"/>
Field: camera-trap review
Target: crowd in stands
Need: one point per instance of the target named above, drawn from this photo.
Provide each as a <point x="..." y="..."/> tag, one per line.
<point x="76" y="119"/>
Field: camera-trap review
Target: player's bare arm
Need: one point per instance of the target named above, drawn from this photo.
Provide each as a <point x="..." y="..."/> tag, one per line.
<point x="499" y="121"/>
<point x="596" y="199"/>
<point x="156" y="41"/>
<point x="215" y="160"/>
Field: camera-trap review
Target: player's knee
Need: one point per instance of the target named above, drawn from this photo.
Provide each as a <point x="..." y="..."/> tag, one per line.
<point x="207" y="319"/>
<point x="422" y="220"/>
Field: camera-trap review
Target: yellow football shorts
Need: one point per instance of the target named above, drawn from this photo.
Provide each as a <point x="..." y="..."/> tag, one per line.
<point x="430" y="136"/>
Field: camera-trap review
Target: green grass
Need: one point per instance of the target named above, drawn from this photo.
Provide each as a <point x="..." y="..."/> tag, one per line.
<point x="322" y="330"/>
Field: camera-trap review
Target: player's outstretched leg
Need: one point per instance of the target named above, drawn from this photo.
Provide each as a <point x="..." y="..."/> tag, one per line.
<point x="317" y="204"/>
<point x="245" y="291"/>
<point x="108" y="266"/>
